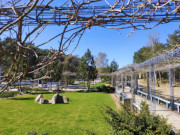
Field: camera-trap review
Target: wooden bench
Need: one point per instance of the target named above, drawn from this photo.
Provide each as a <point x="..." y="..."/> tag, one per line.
<point x="161" y="100"/>
<point x="142" y="93"/>
<point x="178" y="106"/>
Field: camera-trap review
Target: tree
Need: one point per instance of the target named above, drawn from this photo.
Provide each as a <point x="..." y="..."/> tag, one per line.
<point x="67" y="63"/>
<point x="114" y="66"/>
<point x="87" y="68"/>
<point x="101" y="62"/>
<point x="173" y="40"/>
<point x="142" y="55"/>
<point x="109" y="69"/>
<point x="70" y="65"/>
<point x="154" y="48"/>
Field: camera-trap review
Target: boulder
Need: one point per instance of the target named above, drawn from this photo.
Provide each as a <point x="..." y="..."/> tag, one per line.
<point x="57" y="98"/>
<point x="65" y="100"/>
<point x="50" y="101"/>
<point x="43" y="101"/>
<point x="39" y="97"/>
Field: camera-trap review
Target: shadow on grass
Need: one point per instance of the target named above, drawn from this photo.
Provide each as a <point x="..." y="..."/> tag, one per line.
<point x="36" y="93"/>
<point x="28" y="98"/>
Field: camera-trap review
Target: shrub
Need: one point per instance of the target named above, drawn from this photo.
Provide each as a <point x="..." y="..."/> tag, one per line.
<point x="8" y="94"/>
<point x="56" y="91"/>
<point x="106" y="89"/>
<point x="36" y="90"/>
<point x="41" y="92"/>
<point x="99" y="89"/>
<point x="128" y="122"/>
<point x="110" y="89"/>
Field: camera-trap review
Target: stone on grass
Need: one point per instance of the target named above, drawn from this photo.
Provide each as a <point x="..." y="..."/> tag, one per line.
<point x="57" y="98"/>
<point x="39" y="97"/>
<point x="65" y="100"/>
<point x="43" y="101"/>
<point x="50" y="101"/>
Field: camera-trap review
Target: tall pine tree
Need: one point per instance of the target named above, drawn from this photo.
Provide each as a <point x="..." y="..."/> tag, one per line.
<point x="87" y="68"/>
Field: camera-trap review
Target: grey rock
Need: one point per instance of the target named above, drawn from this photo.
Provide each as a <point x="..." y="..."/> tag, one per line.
<point x="43" y="101"/>
<point x="39" y="97"/>
<point x="50" y="101"/>
<point x="65" y="99"/>
<point x="57" y="98"/>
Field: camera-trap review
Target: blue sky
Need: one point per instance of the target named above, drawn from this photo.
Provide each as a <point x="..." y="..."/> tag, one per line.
<point x="117" y="46"/>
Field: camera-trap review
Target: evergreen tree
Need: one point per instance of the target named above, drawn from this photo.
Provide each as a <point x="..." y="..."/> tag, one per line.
<point x="87" y="68"/>
<point x="173" y="39"/>
<point x="114" y="66"/>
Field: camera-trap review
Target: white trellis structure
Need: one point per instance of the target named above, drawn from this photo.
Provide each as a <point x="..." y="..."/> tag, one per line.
<point x="167" y="61"/>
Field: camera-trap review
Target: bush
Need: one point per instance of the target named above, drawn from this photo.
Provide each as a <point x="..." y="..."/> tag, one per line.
<point x="36" y="90"/>
<point x="41" y="92"/>
<point x="99" y="89"/>
<point x="106" y="89"/>
<point x="128" y="122"/>
<point x="8" y="94"/>
<point x="56" y="91"/>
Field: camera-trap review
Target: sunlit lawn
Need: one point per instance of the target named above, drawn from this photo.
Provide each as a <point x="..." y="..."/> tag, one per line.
<point x="82" y="115"/>
<point x="92" y="85"/>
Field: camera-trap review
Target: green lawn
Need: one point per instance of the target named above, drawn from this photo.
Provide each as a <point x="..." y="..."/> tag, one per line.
<point x="21" y="115"/>
<point x="96" y="85"/>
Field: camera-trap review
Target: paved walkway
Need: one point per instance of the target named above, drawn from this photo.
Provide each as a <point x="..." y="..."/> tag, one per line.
<point x="173" y="117"/>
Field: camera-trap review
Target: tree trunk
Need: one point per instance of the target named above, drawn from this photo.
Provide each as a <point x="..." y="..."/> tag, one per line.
<point x="59" y="82"/>
<point x="51" y="86"/>
<point x="157" y="80"/>
<point x="174" y="79"/>
<point x="42" y="84"/>
<point x="65" y="81"/>
<point x="144" y="77"/>
<point x="160" y="79"/>
<point x="88" y="84"/>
